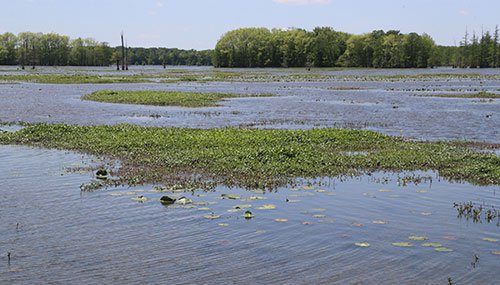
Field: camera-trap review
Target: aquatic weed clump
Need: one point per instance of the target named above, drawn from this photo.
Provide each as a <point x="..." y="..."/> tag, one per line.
<point x="163" y="98"/>
<point x="256" y="158"/>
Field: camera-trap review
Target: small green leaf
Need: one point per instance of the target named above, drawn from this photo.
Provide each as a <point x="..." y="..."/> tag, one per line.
<point x="443" y="249"/>
<point x="402" y="244"/>
<point x="432" y="244"/>
<point x="417" y="238"/>
<point x="490" y="239"/>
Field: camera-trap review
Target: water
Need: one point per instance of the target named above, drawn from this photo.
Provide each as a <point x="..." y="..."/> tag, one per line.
<point x="59" y="235"/>
<point x="387" y="106"/>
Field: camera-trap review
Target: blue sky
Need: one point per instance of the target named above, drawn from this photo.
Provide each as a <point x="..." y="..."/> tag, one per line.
<point x="199" y="24"/>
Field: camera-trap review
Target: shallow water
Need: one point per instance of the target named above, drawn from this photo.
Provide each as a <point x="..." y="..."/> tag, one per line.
<point x="388" y="106"/>
<point x="59" y="235"/>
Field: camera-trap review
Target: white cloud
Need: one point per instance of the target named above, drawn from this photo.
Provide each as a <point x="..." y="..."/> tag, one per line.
<point x="303" y="2"/>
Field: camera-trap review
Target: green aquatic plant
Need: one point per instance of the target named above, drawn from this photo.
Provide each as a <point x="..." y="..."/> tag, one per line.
<point x="255" y="158"/>
<point x="402" y="244"/>
<point x="481" y="94"/>
<point x="163" y="98"/>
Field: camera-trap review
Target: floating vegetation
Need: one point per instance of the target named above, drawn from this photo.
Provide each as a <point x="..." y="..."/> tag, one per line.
<point x="280" y="220"/>
<point x="183" y="200"/>
<point x="167" y="200"/>
<point x="229" y="196"/>
<point x="402" y="244"/>
<point x="379" y="222"/>
<point x="362" y="244"/>
<point x="140" y="199"/>
<point x="163" y="98"/>
<point x="443" y="249"/>
<point x="204" y="209"/>
<point x="248" y="215"/>
<point x="418" y="238"/>
<point x="267" y="207"/>
<point x="482" y="94"/>
<point x="101" y="174"/>
<point x="432" y="244"/>
<point x="255" y="158"/>
<point x="242" y="206"/>
<point x="490" y="239"/>
<point x="319" y="216"/>
<point x="211" y="216"/>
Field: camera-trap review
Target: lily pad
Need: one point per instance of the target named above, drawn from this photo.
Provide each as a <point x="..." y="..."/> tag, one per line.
<point x="490" y="239"/>
<point x="281" y="220"/>
<point x="257" y="198"/>
<point x="183" y="200"/>
<point x="243" y="206"/>
<point x="166" y="200"/>
<point x="443" y="249"/>
<point x="432" y="244"/>
<point x="362" y="244"/>
<point x="267" y="207"/>
<point x="211" y="217"/>
<point x="140" y="199"/>
<point x="233" y="210"/>
<point x="418" y="238"/>
<point x="402" y="244"/>
<point x="248" y="215"/>
<point x="230" y="196"/>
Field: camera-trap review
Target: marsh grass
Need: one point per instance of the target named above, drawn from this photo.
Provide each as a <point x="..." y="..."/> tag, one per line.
<point x="254" y="158"/>
<point x="72" y="79"/>
<point x="163" y="98"/>
<point x="482" y="95"/>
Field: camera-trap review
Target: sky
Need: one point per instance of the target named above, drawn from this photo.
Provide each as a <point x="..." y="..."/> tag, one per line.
<point x="199" y="24"/>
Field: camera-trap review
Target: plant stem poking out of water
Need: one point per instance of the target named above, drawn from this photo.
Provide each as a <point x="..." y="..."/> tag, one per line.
<point x="469" y="210"/>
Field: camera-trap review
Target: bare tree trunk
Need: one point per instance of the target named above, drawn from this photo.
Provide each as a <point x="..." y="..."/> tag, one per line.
<point x="123" y="54"/>
<point x="126" y="56"/>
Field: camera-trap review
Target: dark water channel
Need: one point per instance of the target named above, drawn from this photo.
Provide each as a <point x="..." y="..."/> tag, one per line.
<point x="58" y="235"/>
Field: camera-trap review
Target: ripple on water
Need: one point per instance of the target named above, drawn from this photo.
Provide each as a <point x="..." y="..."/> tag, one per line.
<point x="65" y="236"/>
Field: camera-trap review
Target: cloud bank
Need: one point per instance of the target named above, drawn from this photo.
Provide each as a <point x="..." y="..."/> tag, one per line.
<point x="303" y="2"/>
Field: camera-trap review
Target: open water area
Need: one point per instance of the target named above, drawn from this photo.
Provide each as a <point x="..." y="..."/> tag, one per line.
<point x="384" y="228"/>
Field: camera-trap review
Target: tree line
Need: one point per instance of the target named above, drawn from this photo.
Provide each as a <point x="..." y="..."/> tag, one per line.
<point x="261" y="47"/>
<point x="32" y="49"/>
<point x="325" y="47"/>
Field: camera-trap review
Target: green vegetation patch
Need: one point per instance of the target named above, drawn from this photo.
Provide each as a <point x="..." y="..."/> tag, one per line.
<point x="256" y="158"/>
<point x="482" y="94"/>
<point x="162" y="98"/>
<point x="72" y="78"/>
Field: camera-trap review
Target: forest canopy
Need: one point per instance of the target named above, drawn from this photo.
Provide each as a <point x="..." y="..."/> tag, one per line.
<point x="325" y="47"/>
<point x="261" y="47"/>
<point x="31" y="49"/>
